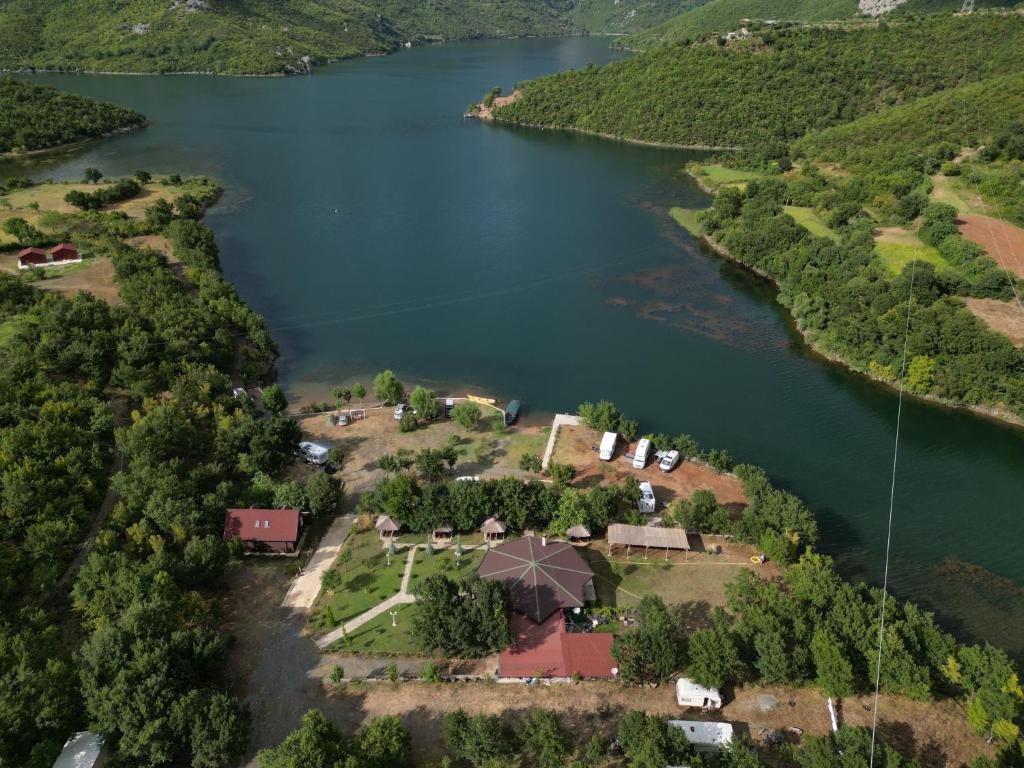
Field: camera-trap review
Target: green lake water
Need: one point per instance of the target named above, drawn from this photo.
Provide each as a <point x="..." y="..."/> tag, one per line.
<point x="374" y="227"/>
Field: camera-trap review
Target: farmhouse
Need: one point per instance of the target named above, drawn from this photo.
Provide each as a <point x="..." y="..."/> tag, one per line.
<point x="546" y="579"/>
<point x="65" y="253"/>
<point x="264" y="530"/>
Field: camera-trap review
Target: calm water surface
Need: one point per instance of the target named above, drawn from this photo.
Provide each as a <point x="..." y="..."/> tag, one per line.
<point x="374" y="227"/>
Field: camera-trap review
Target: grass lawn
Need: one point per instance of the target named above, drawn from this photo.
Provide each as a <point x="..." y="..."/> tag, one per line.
<point x="378" y="637"/>
<point x="809" y="220"/>
<point x="443" y="561"/>
<point x="514" y="445"/>
<point x="365" y="580"/>
<point x="687" y="219"/>
<point x="719" y="175"/>
<point x="897" y="255"/>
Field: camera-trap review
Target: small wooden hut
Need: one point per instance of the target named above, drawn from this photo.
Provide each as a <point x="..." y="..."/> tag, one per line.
<point x="443" y="534"/>
<point x="579" y="535"/>
<point x="386" y="527"/>
<point x="493" y="529"/>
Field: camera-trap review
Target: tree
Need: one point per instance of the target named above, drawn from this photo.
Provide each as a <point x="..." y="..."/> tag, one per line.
<point x="483" y="740"/>
<point x="650" y="742"/>
<point x="359" y="391"/>
<point x="323" y="493"/>
<point x="530" y="462"/>
<point x="545" y="742"/>
<point x="274" y="399"/>
<point x="562" y="475"/>
<point x="143" y="177"/>
<point x="336" y="456"/>
<point x="23" y="232"/>
<point x="714" y="658"/>
<point x="92" y="175"/>
<point x="408" y="422"/>
<point x="159" y="215"/>
<point x="466" y="414"/>
<point x="317" y="744"/>
<point x="430" y="464"/>
<point x="921" y="375"/>
<point x="834" y="671"/>
<point x="384" y="742"/>
<point x="399" y="461"/>
<point x="463" y="619"/>
<point x="422" y="399"/>
<point x="336" y="394"/>
<point x="387" y="388"/>
<point x="653" y="650"/>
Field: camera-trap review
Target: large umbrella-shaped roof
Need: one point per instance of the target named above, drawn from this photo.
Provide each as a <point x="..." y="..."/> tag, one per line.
<point x="541" y="577"/>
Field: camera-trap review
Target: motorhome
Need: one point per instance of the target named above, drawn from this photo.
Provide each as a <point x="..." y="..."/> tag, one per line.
<point x="643" y="450"/>
<point x="608" y="442"/>
<point x="689" y="694"/>
<point x="314" y="453"/>
<point x="705" y="736"/>
<point x="647" y="503"/>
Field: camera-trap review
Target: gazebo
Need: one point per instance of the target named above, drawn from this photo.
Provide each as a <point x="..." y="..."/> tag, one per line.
<point x="647" y="536"/>
<point x="493" y="529"/>
<point x="386" y="527"/>
<point x="442" y="534"/>
<point x="579" y="535"/>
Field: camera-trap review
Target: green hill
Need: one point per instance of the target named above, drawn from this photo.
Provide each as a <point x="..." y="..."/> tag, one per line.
<point x="725" y="15"/>
<point x="248" y="37"/>
<point x="773" y="88"/>
<point x="34" y="117"/>
<point x="621" y="16"/>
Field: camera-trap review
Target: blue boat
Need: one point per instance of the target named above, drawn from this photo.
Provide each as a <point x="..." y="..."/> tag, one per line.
<point x="511" y="412"/>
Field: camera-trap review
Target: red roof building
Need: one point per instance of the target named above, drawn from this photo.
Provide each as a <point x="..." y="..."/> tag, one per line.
<point x="64" y="253"/>
<point x="31" y="257"/>
<point x="264" y="530"/>
<point x="548" y="650"/>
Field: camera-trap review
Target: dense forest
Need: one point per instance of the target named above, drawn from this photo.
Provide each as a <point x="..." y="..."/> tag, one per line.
<point x="776" y="86"/>
<point x="255" y="37"/>
<point x="618" y="17"/>
<point x="185" y="448"/>
<point x="36" y="117"/>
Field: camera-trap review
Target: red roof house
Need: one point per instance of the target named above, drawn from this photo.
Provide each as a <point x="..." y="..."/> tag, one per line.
<point x="548" y="650"/>
<point x="264" y="530"/>
<point x="64" y="253"/>
<point x="31" y="257"/>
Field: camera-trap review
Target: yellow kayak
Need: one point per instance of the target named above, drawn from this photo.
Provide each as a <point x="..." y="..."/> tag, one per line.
<point x="484" y="400"/>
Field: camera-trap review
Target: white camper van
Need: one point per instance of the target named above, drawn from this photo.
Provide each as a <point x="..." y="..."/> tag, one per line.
<point x="314" y="453"/>
<point x="608" y="443"/>
<point x="705" y="736"/>
<point x="643" y="450"/>
<point x="689" y="694"/>
<point x="647" y="503"/>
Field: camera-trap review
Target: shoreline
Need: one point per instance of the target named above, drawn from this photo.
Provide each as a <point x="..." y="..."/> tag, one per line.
<point x="73" y="144"/>
<point x="994" y="414"/>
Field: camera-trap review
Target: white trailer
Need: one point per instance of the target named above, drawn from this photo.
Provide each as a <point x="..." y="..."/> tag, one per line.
<point x="689" y="694"/>
<point x="647" y="503"/>
<point x="643" y="451"/>
<point x="314" y="453"/>
<point x="705" y="736"/>
<point x="608" y="443"/>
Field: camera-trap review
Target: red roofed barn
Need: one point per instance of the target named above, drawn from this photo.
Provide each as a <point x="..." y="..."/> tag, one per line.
<point x="65" y="253"/>
<point x="264" y="530"/>
<point x="31" y="257"/>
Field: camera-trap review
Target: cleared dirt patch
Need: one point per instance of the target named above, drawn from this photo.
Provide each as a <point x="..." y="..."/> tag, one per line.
<point x="1002" y="316"/>
<point x="576" y="446"/>
<point x="1001" y="240"/>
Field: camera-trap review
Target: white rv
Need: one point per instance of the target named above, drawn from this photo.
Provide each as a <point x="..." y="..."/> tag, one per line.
<point x="689" y="694"/>
<point x="643" y="450"/>
<point x="314" y="453"/>
<point x="647" y="503"/>
<point x="705" y="736"/>
<point x="608" y="443"/>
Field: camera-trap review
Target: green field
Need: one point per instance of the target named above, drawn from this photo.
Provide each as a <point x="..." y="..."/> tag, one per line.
<point x="719" y="175"/>
<point x="809" y="220"/>
<point x="365" y="580"/>
<point x="687" y="219"/>
<point x="897" y="255"/>
<point x="443" y="561"/>
<point x="378" y="637"/>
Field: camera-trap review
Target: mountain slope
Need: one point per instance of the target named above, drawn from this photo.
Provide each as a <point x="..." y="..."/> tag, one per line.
<point x="623" y="16"/>
<point x="725" y="15"/>
<point x="806" y="79"/>
<point x="34" y="117"/>
<point x="243" y="36"/>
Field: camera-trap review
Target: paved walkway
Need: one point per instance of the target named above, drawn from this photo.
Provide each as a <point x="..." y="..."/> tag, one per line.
<point x="560" y="420"/>
<point x="304" y="589"/>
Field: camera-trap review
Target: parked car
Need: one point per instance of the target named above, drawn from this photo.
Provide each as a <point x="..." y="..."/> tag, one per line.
<point x="400" y="409"/>
<point x="344" y="420"/>
<point x="668" y="461"/>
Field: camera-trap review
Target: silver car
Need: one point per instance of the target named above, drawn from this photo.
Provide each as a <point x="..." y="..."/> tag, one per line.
<point x="668" y="461"/>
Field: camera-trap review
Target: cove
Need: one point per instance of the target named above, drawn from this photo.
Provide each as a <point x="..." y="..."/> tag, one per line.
<point x="374" y="227"/>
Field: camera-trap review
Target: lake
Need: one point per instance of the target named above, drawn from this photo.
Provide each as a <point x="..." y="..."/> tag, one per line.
<point x="375" y="227"/>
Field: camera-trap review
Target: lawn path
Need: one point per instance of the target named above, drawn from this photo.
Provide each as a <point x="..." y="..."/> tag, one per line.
<point x="401" y="598"/>
<point x="306" y="586"/>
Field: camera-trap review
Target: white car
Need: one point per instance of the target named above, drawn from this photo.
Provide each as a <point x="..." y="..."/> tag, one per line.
<point x="668" y="461"/>
<point x="400" y="409"/>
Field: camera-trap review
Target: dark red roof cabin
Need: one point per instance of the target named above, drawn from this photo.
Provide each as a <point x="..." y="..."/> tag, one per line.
<point x="65" y="252"/>
<point x="264" y="530"/>
<point x="31" y="257"/>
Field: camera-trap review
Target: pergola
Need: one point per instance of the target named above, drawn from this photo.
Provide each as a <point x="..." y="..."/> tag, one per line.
<point x="648" y="537"/>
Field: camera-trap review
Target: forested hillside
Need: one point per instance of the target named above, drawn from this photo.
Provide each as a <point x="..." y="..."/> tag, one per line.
<point x="621" y="16"/>
<point x="720" y="16"/>
<point x="36" y="117"/>
<point x="775" y="87"/>
<point x="254" y="37"/>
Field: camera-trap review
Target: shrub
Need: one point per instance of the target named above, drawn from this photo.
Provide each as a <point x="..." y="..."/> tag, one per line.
<point x="530" y="462"/>
<point x="408" y="422"/>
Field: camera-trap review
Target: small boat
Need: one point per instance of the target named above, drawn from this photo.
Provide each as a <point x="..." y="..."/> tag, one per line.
<point x="511" y="412"/>
<point x="482" y="400"/>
